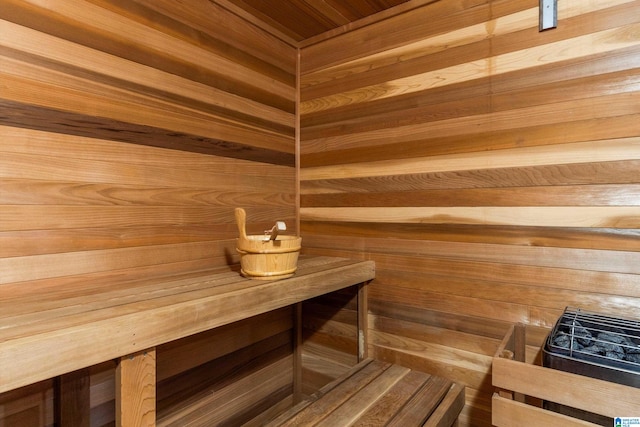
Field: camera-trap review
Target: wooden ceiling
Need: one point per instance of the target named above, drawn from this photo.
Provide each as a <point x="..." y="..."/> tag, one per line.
<point x="300" y="20"/>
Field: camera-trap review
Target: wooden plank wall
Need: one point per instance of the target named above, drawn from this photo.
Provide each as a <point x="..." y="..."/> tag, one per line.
<point x="490" y="170"/>
<point x="329" y="338"/>
<point x="129" y="131"/>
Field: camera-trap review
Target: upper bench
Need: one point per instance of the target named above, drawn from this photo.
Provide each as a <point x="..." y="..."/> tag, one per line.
<point x="48" y="332"/>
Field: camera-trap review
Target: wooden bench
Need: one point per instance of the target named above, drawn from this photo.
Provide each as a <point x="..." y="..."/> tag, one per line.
<point x="64" y="329"/>
<point x="375" y="393"/>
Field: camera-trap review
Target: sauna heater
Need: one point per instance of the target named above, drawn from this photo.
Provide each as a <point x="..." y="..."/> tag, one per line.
<point x="596" y="345"/>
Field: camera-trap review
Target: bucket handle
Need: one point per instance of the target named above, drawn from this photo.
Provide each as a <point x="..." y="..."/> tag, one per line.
<point x="241" y="220"/>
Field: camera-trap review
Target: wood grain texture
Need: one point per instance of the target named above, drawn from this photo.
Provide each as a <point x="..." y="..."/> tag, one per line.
<point x="300" y="21"/>
<point x="593" y="238"/>
<point x="488" y="168"/>
<point x="600" y="42"/>
<point x="587" y="195"/>
<point x="230" y="398"/>
<point x="392" y="401"/>
<point x="595" y="394"/>
<point x="180" y="356"/>
<point x="582" y="152"/>
<point x="129" y="132"/>
<point x="130" y="129"/>
<point x="329" y="337"/>
<point x="375" y="393"/>
<point x="105" y="24"/>
<point x="509" y="412"/>
<point x="160" y="311"/>
<point x="73" y="400"/>
<point x="136" y="389"/>
<point x="555" y="216"/>
<point x="213" y="19"/>
<point x="51" y="120"/>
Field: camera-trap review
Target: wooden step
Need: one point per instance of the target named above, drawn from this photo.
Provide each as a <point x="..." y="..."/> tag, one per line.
<point x="375" y="393"/>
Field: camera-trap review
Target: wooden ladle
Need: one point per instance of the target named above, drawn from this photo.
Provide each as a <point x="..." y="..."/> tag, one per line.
<point x="241" y="220"/>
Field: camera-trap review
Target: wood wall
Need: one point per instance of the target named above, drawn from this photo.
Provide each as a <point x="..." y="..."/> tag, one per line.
<point x="129" y="131"/>
<point x="490" y="170"/>
<point x="329" y="338"/>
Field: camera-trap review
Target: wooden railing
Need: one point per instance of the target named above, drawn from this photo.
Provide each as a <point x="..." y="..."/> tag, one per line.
<point x="522" y="384"/>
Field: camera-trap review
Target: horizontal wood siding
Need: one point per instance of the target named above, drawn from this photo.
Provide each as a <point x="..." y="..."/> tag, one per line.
<point x="129" y="132"/>
<point x="490" y="170"/>
<point x="329" y="337"/>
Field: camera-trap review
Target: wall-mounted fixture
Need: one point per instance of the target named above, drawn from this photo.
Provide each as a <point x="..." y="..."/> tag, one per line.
<point x="548" y="14"/>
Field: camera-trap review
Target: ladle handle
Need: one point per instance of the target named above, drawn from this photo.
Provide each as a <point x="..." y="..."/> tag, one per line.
<point x="241" y="219"/>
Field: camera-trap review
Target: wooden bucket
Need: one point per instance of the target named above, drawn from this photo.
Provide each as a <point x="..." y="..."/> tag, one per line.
<point x="266" y="259"/>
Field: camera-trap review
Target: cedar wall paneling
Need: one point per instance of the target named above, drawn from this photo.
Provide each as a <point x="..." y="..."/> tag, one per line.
<point x="329" y="336"/>
<point x="129" y="131"/>
<point x="490" y="170"/>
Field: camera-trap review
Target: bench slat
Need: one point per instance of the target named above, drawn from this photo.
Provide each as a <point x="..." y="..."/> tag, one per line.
<point x="376" y="393"/>
<point x="422" y="404"/>
<point x="282" y="418"/>
<point x="365" y="398"/>
<point x="340" y="392"/>
<point x="447" y="412"/>
<point x="386" y="407"/>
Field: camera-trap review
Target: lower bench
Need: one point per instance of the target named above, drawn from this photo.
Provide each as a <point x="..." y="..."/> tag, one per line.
<point x="375" y="393"/>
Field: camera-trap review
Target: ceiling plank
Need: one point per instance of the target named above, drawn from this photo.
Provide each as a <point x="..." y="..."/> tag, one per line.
<point x="298" y="21"/>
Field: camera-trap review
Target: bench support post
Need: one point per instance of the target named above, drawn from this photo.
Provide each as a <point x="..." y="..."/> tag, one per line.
<point x="363" y="322"/>
<point x="136" y="389"/>
<point x="73" y="406"/>
<point x="297" y="353"/>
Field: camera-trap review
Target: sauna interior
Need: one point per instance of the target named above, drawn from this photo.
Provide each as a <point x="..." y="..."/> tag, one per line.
<point x="491" y="171"/>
